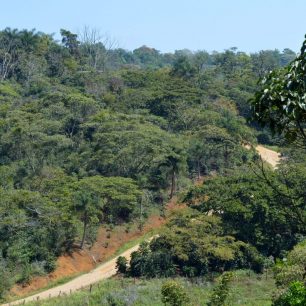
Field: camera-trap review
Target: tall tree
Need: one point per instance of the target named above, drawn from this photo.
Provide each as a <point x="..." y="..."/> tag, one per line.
<point x="88" y="203"/>
<point x="70" y="41"/>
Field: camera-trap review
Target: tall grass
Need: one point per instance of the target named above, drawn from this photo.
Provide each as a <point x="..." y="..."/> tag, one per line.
<point x="247" y="288"/>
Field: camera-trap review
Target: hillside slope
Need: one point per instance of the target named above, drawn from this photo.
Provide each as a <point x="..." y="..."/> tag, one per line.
<point x="108" y="269"/>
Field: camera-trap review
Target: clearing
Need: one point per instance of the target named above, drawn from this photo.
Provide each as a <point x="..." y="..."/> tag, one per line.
<point x="268" y="155"/>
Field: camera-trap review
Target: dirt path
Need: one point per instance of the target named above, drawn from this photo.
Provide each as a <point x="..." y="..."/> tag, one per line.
<point x="268" y="155"/>
<point x="104" y="271"/>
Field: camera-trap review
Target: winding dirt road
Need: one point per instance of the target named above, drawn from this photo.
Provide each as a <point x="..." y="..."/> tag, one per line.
<point x="108" y="269"/>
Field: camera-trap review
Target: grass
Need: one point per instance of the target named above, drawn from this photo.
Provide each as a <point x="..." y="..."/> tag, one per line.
<point x="247" y="289"/>
<point x="252" y="291"/>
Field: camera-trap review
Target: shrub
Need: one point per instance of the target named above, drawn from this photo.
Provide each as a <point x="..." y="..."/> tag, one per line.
<point x="293" y="267"/>
<point x="221" y="291"/>
<point x="149" y="263"/>
<point x="193" y="246"/>
<point x="5" y="280"/>
<point x="26" y="274"/>
<point x="121" y="265"/>
<point x="295" y="295"/>
<point x="173" y="294"/>
<point x="114" y="301"/>
<point x="50" y="263"/>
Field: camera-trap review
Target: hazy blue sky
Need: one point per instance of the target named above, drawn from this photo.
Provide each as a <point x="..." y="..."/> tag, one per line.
<point x="168" y="25"/>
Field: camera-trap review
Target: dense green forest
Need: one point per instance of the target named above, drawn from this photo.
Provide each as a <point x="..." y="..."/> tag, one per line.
<point x="93" y="135"/>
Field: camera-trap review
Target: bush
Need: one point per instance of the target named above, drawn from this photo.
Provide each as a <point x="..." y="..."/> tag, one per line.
<point x="50" y="263"/>
<point x="121" y="264"/>
<point x="173" y="294"/>
<point x="26" y="274"/>
<point x="294" y="296"/>
<point x="221" y="291"/>
<point x="293" y="268"/>
<point x="193" y="245"/>
<point x="114" y="301"/>
<point x="5" y="280"/>
<point x="264" y="138"/>
<point x="149" y="263"/>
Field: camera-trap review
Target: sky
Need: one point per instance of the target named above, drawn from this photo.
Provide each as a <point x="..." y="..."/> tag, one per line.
<point x="169" y="25"/>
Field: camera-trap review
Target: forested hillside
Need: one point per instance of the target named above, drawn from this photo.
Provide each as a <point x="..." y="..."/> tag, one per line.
<point x="91" y="135"/>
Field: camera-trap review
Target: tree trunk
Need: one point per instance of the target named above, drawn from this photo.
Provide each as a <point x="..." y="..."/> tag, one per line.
<point x="199" y="169"/>
<point x="226" y="156"/>
<point x="173" y="187"/>
<point x="84" y="233"/>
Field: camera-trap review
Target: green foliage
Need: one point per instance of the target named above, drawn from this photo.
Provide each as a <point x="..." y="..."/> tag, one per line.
<point x="5" y="277"/>
<point x="121" y="264"/>
<point x="294" y="296"/>
<point x="114" y="301"/>
<point x="173" y="294"/>
<point x="280" y="103"/>
<point x="221" y="291"/>
<point x="193" y="245"/>
<point x="270" y="217"/>
<point x="215" y="149"/>
<point x="34" y="230"/>
<point x="144" y="262"/>
<point x="119" y="195"/>
<point x="293" y="266"/>
<point x="88" y="203"/>
<point x="70" y="41"/>
<point x="182" y="67"/>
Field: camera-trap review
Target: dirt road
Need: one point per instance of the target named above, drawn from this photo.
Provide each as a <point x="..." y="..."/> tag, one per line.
<point x="268" y="155"/>
<point x="104" y="271"/>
